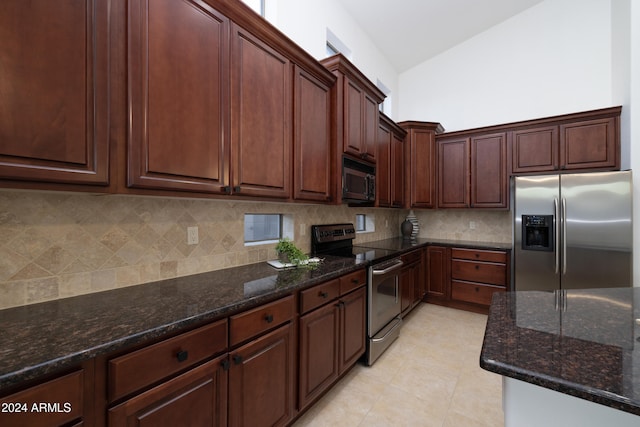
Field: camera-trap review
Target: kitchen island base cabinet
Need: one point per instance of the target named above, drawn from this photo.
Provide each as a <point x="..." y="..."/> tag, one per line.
<point x="173" y="402"/>
<point x="523" y="401"/>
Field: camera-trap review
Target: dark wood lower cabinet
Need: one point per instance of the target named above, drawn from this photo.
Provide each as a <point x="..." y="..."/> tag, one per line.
<point x="437" y="274"/>
<point x="332" y="339"/>
<point x="261" y="380"/>
<point x="318" y="352"/>
<point x="195" y="398"/>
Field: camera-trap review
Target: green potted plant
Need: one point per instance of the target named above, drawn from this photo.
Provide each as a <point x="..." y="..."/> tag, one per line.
<point x="288" y="252"/>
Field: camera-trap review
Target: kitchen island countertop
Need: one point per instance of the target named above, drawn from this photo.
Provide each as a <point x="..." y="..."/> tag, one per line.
<point x="583" y="343"/>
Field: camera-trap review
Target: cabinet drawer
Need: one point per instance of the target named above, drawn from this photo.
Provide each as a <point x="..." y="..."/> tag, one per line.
<point x="66" y="393"/>
<point x="149" y="365"/>
<point x="473" y="292"/>
<point x="479" y="255"/>
<point x="319" y="295"/>
<point x="484" y="272"/>
<point x="352" y="281"/>
<point x="254" y="322"/>
<point x="412" y="257"/>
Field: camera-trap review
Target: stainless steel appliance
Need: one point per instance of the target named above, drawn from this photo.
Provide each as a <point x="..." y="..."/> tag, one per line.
<point x="383" y="293"/>
<point x="358" y="181"/>
<point x="572" y="231"/>
<point x="384" y="307"/>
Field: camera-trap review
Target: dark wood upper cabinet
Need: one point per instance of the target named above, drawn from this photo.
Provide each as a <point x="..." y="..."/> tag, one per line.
<point x="54" y="121"/>
<point x="535" y="150"/>
<point x="420" y="163"/>
<point x="178" y="96"/>
<point x="489" y="176"/>
<point x="390" y="163"/>
<point x="590" y="144"/>
<point x="453" y="173"/>
<point x="261" y="111"/>
<point x="573" y="142"/>
<point x="355" y="104"/>
<point x="313" y="169"/>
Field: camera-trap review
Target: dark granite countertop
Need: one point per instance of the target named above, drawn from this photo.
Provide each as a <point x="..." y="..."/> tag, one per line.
<point x="583" y="343"/>
<point x="40" y="339"/>
<point x="400" y="245"/>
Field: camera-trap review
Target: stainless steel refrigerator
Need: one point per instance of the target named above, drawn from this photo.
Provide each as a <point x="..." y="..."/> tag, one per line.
<point x="572" y="231"/>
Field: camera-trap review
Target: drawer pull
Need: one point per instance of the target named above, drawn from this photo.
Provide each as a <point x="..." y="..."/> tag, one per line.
<point x="323" y="294"/>
<point x="355" y="281"/>
<point x="269" y="318"/>
<point x="182" y="356"/>
<point x="237" y="359"/>
<point x="477" y="267"/>
<point x="225" y="364"/>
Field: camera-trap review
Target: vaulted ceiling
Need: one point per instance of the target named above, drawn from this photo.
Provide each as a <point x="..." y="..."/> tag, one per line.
<point x="409" y="32"/>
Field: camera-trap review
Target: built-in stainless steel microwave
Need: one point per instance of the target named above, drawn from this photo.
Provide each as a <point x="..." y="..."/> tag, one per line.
<point x="358" y="181"/>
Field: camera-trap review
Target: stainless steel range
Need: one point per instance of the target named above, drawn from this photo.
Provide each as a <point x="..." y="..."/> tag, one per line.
<point x="383" y="293"/>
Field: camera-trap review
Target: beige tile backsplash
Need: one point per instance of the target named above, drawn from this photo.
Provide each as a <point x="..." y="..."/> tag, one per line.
<point x="56" y="245"/>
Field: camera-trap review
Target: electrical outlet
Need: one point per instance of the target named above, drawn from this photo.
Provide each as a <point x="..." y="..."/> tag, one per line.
<point x="472" y="225"/>
<point x="192" y="235"/>
<point x="303" y="229"/>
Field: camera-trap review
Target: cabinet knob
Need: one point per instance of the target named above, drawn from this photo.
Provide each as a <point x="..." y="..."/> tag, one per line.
<point x="237" y="188"/>
<point x="323" y="294"/>
<point x="477" y="267"/>
<point x="182" y="355"/>
<point x="237" y="359"/>
<point x="355" y="281"/>
<point x="269" y="318"/>
<point x="477" y="289"/>
<point x="226" y="189"/>
<point x="225" y="364"/>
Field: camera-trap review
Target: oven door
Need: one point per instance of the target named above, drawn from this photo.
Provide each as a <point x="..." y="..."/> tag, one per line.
<point x="384" y="294"/>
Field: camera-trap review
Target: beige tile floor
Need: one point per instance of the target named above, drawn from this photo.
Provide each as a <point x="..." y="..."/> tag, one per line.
<point x="429" y="377"/>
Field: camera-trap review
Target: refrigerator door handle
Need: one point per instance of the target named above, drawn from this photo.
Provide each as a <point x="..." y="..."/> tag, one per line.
<point x="557" y="232"/>
<point x="564" y="236"/>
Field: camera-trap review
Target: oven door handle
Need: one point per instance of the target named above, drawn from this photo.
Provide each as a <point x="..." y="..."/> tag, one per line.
<point x="395" y="266"/>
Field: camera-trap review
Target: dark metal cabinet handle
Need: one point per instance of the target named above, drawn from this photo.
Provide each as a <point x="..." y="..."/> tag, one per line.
<point x="477" y="267"/>
<point x="355" y="281"/>
<point x="269" y="318"/>
<point x="237" y="188"/>
<point x="323" y="294"/>
<point x="182" y="355"/>
<point x="225" y="364"/>
<point x="226" y="189"/>
<point x="237" y="359"/>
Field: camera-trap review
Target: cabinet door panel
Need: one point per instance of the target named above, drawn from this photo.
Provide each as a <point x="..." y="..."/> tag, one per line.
<point x="178" y="78"/>
<point x="588" y="144"/>
<point x="353" y="327"/>
<point x="197" y="397"/>
<point x="369" y="128"/>
<point x="535" y="150"/>
<point x="353" y="118"/>
<point x="312" y="144"/>
<point x="261" y="109"/>
<point x="54" y="88"/>
<point x="397" y="171"/>
<point x="261" y="381"/>
<point x="438" y="285"/>
<point x="421" y="155"/>
<point x="489" y="184"/>
<point x="318" y="351"/>
<point x="383" y="167"/>
<point x="453" y="173"/>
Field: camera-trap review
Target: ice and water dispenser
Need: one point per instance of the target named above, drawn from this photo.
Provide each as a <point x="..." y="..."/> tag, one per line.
<point x="537" y="232"/>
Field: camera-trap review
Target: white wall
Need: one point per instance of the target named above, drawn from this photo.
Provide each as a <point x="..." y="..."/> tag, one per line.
<point x="306" y="23"/>
<point x="553" y="58"/>
<point x="634" y="125"/>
